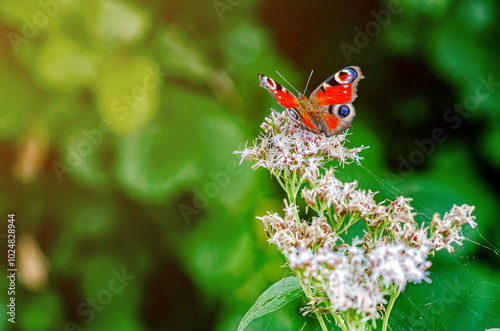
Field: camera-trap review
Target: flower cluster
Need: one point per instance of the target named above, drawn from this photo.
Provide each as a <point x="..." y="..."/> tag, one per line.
<point x="394" y="220"/>
<point x="285" y="147"/>
<point x="449" y="229"/>
<point x="350" y="276"/>
<point x="326" y="191"/>
<point x="289" y="232"/>
<point x="342" y="277"/>
<point x="399" y="264"/>
<point x="353" y="282"/>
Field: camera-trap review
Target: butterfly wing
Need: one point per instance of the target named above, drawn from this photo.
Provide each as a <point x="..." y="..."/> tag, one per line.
<point x="339" y="88"/>
<point x="293" y="106"/>
<point x="333" y="99"/>
<point x="280" y="93"/>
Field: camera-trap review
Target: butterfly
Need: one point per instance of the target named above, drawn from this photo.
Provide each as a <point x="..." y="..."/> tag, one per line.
<point x="328" y="109"/>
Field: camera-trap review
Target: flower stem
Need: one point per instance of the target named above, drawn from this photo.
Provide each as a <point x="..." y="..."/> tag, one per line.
<point x="321" y="322"/>
<point x="340" y="322"/>
<point x="394" y="296"/>
<point x="309" y="295"/>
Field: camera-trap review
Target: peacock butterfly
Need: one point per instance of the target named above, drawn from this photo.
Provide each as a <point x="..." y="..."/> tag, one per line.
<point x="328" y="109"/>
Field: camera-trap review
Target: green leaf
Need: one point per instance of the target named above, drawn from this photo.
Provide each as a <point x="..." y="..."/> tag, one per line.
<point x="128" y="93"/>
<point x="275" y="297"/>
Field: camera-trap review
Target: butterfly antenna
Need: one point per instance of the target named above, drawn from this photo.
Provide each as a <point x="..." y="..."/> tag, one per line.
<point x="288" y="82"/>
<point x="308" y="81"/>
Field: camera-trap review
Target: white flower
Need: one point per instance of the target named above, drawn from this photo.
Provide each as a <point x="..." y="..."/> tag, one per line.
<point x="285" y="147"/>
<point x="343" y="275"/>
<point x="449" y="229"/>
<point x="350" y="286"/>
<point x="289" y="232"/>
<point x="399" y="264"/>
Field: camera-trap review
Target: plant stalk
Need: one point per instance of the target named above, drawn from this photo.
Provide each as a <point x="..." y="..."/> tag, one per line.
<point x="394" y="296"/>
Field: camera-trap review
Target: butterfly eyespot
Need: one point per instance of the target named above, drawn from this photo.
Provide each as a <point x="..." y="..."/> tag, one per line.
<point x="294" y="114"/>
<point x="343" y="75"/>
<point x="347" y="75"/>
<point x="268" y="82"/>
<point x="344" y="111"/>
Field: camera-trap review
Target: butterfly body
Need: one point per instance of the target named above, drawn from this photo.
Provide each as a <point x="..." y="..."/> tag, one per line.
<point x="328" y="109"/>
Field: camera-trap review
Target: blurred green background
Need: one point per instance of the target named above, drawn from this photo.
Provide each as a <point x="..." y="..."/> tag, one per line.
<point x="118" y="123"/>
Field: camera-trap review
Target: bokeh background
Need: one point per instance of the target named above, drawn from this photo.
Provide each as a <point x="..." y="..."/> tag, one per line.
<point x="119" y="119"/>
